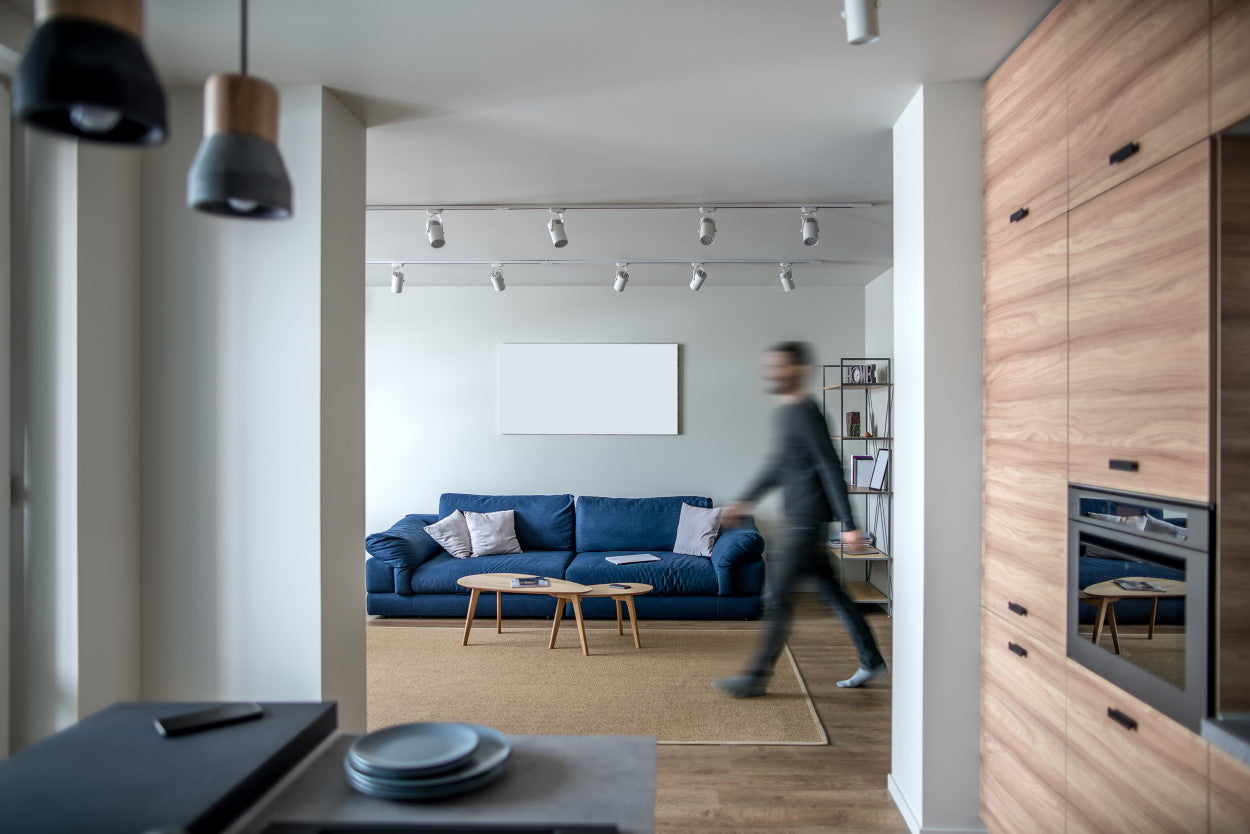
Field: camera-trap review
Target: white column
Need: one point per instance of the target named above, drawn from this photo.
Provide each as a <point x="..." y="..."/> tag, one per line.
<point x="937" y="348"/>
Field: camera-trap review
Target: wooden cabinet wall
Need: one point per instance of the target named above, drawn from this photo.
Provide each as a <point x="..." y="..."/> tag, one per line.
<point x="1230" y="63"/>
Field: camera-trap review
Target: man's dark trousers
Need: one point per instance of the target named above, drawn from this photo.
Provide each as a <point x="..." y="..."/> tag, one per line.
<point x="803" y="554"/>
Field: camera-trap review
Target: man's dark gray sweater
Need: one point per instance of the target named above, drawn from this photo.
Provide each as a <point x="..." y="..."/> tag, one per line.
<point x="806" y="467"/>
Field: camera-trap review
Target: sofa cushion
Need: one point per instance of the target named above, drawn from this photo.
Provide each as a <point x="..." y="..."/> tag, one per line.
<point x="626" y="525"/>
<point x="543" y="522"/>
<point x="380" y="577"/>
<point x="452" y="533"/>
<point x="676" y="574"/>
<point x="697" y="530"/>
<point x="404" y="546"/>
<point x="439" y="575"/>
<point x="493" y="534"/>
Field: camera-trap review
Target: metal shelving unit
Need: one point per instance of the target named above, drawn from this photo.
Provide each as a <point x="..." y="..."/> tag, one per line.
<point x="874" y="400"/>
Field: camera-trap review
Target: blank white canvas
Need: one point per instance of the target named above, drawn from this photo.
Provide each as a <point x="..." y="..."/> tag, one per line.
<point x="587" y="389"/>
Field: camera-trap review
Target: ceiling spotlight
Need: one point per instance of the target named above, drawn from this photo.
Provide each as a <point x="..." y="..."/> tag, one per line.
<point x="861" y="21"/>
<point x="496" y="277"/>
<point x="622" y="277"/>
<point x="707" y="227"/>
<point x="811" y="232"/>
<point x="697" y="276"/>
<point x="555" y="225"/>
<point x="434" y="229"/>
<point x="397" y="279"/>
<point x="787" y="278"/>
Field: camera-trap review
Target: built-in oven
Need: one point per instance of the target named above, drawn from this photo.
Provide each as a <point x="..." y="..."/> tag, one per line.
<point x="1139" y="596"/>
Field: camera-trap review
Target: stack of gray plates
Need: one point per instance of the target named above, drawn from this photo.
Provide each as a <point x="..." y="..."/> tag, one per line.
<point x="426" y="760"/>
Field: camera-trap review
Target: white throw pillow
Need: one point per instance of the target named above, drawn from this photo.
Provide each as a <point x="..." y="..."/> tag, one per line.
<point x="697" y="530"/>
<point x="493" y="534"/>
<point x="452" y="533"/>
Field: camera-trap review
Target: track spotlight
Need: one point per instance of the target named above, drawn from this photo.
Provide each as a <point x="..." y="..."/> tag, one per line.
<point x="622" y="277"/>
<point x="496" y="277"/>
<point x="555" y="225"/>
<point x="397" y="279"/>
<point x="811" y="231"/>
<point x="697" y="276"/>
<point x="787" y="277"/>
<point x="434" y="229"/>
<point x="707" y="228"/>
<point x="862" y="25"/>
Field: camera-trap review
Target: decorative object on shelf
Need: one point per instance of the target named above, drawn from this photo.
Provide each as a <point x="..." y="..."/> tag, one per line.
<point x="852" y="424"/>
<point x="859" y="374"/>
<point x="882" y="462"/>
<point x="238" y="171"/>
<point x="861" y="469"/>
<point x="85" y="73"/>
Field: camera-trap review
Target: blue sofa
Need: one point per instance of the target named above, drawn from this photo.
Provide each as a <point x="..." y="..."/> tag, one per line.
<point x="408" y="574"/>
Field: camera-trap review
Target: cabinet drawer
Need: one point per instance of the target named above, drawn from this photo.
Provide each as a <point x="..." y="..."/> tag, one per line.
<point x="1139" y="76"/>
<point x="1013" y="797"/>
<point x="1024" y="536"/>
<point x="1149" y="779"/>
<point x="1230" y="794"/>
<point x="1026" y="336"/>
<point x="1230" y="63"/>
<point x="1023" y="696"/>
<point x="1139" y="332"/>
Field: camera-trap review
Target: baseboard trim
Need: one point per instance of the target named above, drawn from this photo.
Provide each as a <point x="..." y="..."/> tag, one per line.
<point x="909" y="816"/>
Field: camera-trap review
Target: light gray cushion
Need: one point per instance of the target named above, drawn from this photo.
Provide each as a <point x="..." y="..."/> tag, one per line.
<point x="452" y="533"/>
<point x="493" y="533"/>
<point x="697" y="530"/>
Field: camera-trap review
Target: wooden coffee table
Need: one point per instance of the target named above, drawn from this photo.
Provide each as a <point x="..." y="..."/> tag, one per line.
<point x="618" y="595"/>
<point x="1108" y="593"/>
<point x="501" y="583"/>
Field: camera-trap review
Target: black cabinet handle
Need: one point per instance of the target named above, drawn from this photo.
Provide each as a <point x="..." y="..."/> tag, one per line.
<point x="1121" y="719"/>
<point x="1124" y="153"/>
<point x="1018" y="215"/>
<point x="1017" y="608"/>
<point x="1020" y="650"/>
<point x="1123" y="465"/>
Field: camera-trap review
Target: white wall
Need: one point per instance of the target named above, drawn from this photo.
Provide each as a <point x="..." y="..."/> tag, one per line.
<point x="251" y="417"/>
<point x="937" y="306"/>
<point x="879" y="316"/>
<point x="431" y="387"/>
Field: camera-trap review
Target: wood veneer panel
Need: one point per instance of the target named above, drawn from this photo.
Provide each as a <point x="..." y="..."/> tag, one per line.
<point x="1233" y="518"/>
<point x="1026" y="336"/>
<point x="1139" y="312"/>
<point x="1023" y="709"/>
<point x="1025" y="141"/>
<point x="1024" y="536"/>
<point x="1230" y="794"/>
<point x="1230" y="63"/>
<point x="1151" y="779"/>
<point x="1140" y="74"/>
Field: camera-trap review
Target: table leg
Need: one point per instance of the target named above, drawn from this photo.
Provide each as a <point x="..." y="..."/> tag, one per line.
<point x="498" y="612"/>
<point x="1098" y="619"/>
<point x="468" y="620"/>
<point x="555" y="621"/>
<point x="1115" y="631"/>
<point x="1154" y="609"/>
<point x="581" y="624"/>
<point x="619" y="629"/>
<point x="633" y="620"/>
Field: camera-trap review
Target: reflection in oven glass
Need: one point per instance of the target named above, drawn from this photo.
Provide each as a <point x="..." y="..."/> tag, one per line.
<point x="1134" y="608"/>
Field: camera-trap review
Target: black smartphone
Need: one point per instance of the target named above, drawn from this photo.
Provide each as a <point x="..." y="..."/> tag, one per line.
<point x="207" y="719"/>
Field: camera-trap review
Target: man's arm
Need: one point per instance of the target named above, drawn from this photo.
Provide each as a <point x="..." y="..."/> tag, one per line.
<point x="815" y="434"/>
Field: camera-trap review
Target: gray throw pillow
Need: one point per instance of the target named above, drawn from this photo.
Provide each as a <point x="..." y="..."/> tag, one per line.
<point x="697" y="530"/>
<point x="452" y="533"/>
<point x="493" y="534"/>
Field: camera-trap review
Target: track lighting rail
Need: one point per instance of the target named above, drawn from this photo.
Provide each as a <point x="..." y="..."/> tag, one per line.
<point x="561" y="207"/>
<point x="554" y="261"/>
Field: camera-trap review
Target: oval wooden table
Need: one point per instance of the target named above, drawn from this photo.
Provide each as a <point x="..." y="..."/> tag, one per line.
<point x="625" y="594"/>
<point x="501" y="583"/>
<point x="1109" y="593"/>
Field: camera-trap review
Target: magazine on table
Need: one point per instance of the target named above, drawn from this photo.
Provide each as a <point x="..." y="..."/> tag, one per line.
<point x="1138" y="585"/>
<point x="529" y="582"/>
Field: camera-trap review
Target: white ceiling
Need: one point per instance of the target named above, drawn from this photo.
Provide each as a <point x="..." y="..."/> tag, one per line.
<point x="608" y="101"/>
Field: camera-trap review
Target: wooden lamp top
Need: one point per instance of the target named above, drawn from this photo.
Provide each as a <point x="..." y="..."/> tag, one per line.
<point x="240" y="104"/>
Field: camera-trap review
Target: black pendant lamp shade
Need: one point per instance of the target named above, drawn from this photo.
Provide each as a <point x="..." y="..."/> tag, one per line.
<point x="85" y="73"/>
<point x="238" y="171"/>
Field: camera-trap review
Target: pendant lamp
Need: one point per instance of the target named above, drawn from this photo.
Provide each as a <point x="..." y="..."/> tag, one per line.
<point x="238" y="171"/>
<point x="85" y="73"/>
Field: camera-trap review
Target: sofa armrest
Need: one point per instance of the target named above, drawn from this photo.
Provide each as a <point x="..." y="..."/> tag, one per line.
<point x="735" y="548"/>
<point x="405" y="547"/>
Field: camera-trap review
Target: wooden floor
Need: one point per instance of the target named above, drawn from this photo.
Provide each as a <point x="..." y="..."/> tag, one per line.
<point x="753" y="788"/>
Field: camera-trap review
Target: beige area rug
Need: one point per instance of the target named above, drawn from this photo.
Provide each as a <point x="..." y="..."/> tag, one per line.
<point x="513" y="682"/>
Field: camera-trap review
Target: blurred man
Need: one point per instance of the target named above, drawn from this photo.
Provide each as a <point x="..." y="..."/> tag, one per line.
<point x="806" y="468"/>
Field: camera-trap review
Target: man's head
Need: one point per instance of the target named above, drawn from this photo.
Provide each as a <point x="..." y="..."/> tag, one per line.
<point x="787" y="367"/>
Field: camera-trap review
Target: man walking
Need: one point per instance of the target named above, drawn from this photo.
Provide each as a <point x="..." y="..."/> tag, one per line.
<point x="806" y="468"/>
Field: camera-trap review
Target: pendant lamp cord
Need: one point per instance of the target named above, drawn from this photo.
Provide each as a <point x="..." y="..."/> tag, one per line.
<point x="243" y="39"/>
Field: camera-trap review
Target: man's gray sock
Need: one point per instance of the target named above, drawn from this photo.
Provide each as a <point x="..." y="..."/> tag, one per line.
<point x="862" y="676"/>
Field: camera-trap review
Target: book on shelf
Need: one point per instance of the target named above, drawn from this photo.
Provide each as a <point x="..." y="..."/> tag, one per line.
<point x="529" y="582"/>
<point x="631" y="558"/>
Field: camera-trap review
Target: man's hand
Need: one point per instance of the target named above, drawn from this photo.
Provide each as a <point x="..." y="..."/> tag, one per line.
<point x="852" y="539"/>
<point x="731" y="516"/>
